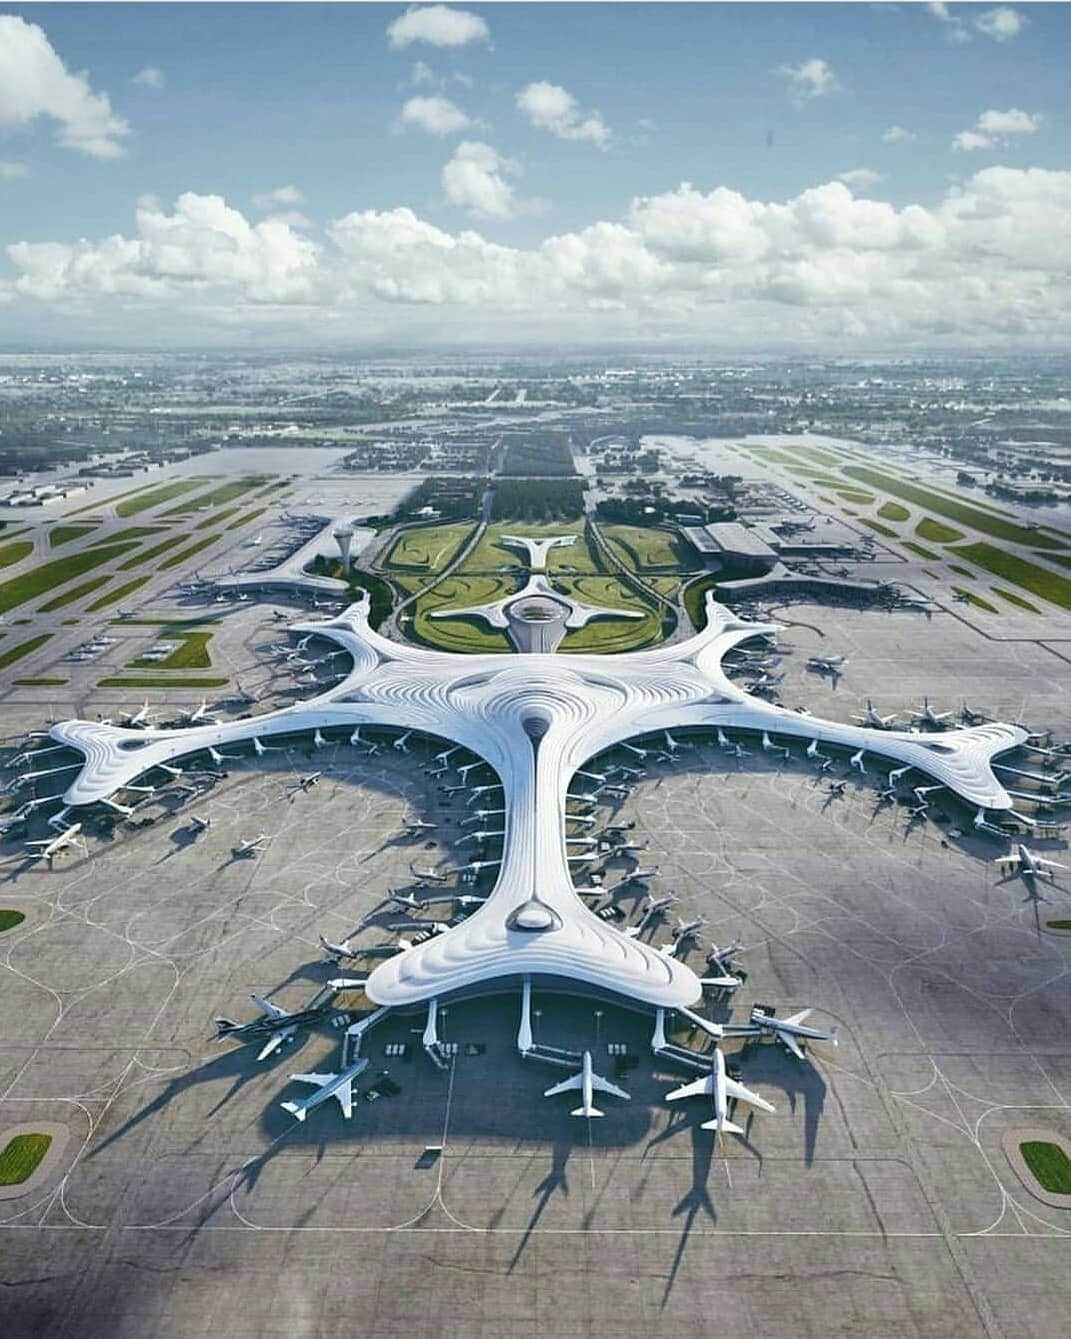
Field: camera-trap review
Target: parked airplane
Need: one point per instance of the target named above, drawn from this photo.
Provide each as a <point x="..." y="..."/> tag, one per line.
<point x="836" y="789"/>
<point x="687" y="929"/>
<point x="790" y="1032"/>
<point x="1031" y="866"/>
<point x="132" y="720"/>
<point x="937" y="720"/>
<point x="199" y="714"/>
<point x="339" y="1086"/>
<point x="873" y="719"/>
<point x="251" y="847"/>
<point x="587" y="1082"/>
<point x="832" y="665"/>
<point x="278" y="1025"/>
<point x="306" y="782"/>
<point x="52" y="846"/>
<point x="336" y="952"/>
<point x="721" y="1088"/>
<point x="426" y="876"/>
<point x="414" y="825"/>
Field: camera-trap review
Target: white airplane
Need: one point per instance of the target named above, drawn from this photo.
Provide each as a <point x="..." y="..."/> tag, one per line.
<point x="638" y="875"/>
<point x="254" y="543"/>
<point x="307" y="782"/>
<point x="1024" y="861"/>
<point x="721" y="1088"/>
<point x="250" y="847"/>
<point x="339" y="1086"/>
<point x="588" y="1083"/>
<point x="481" y="814"/>
<point x="415" y="825"/>
<point x="926" y="715"/>
<point x="687" y="929"/>
<point x="199" y="824"/>
<point x="827" y="664"/>
<point x="837" y="789"/>
<point x="137" y="718"/>
<point x="336" y="952"/>
<point x="652" y="906"/>
<point x="790" y="1031"/>
<point x="426" y="876"/>
<point x="200" y="713"/>
<point x="481" y="837"/>
<point x="477" y="791"/>
<point x="49" y="847"/>
<point x="414" y="903"/>
<point x="873" y="719"/>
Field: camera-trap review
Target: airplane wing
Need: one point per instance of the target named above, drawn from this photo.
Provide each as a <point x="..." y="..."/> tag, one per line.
<point x="316" y="1080"/>
<point x="742" y="1094"/>
<point x="282" y="1036"/>
<point x="787" y="1039"/>
<point x="266" y="1007"/>
<point x="602" y="1085"/>
<point x="566" y="1085"/>
<point x="344" y="1093"/>
<point x="1051" y="864"/>
<point x="699" y="1088"/>
<point x="795" y="1019"/>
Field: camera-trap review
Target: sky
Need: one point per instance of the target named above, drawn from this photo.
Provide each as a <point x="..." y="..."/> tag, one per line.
<point x="749" y="177"/>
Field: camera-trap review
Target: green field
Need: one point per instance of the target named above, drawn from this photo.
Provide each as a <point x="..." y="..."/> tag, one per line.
<point x="885" y="530"/>
<point x="219" y="497"/>
<point x="38" y="683"/>
<point x="640" y="548"/>
<point x="428" y="550"/>
<point x="9" y="919"/>
<point x="146" y="681"/>
<point x="188" y="552"/>
<point x="216" y="518"/>
<point x="982" y="521"/>
<point x="1015" y="599"/>
<point x="191" y="652"/>
<point x="611" y="636"/>
<point x="63" y="534"/>
<point x="1059" y="925"/>
<point x="76" y="593"/>
<point x="922" y="552"/>
<point x="17" y="652"/>
<point x="166" y="546"/>
<point x="132" y="532"/>
<point x="39" y="580"/>
<point x="860" y="499"/>
<point x="1020" y="572"/>
<point x="142" y="501"/>
<point x="114" y="596"/>
<point x="21" y="1157"/>
<point x="15" y="551"/>
<point x="937" y="533"/>
<point x="1049" y="1163"/>
<point x="245" y="518"/>
<point x="893" y="511"/>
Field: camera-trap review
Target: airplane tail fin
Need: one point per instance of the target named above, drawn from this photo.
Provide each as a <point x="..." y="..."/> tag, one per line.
<point x="586" y="1111"/>
<point x="726" y="1127"/>
<point x="224" y="1027"/>
<point x="295" y="1109"/>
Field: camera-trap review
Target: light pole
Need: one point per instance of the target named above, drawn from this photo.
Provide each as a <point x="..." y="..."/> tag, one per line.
<point x="598" y="1024"/>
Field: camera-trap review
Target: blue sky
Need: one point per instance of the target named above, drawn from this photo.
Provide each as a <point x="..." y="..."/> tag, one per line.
<point x="767" y="101"/>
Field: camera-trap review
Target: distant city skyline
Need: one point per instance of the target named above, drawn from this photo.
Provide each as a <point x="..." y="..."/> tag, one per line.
<point x="738" y="177"/>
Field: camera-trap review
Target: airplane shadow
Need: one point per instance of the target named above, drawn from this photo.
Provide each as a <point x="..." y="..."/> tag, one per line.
<point x="767" y="1063"/>
<point x="555" y="1180"/>
<point x="696" y="1201"/>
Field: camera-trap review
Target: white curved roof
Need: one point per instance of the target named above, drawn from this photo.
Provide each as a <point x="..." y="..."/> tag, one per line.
<point x="577" y="706"/>
<point x="496" y="614"/>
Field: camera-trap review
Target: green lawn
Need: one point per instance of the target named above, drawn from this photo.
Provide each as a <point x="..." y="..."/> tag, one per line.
<point x="1059" y="925"/>
<point x="142" y="501"/>
<point x="885" y="530"/>
<point x="113" y="597"/>
<point x="976" y="600"/>
<point x="937" y="533"/>
<point x="191" y="652"/>
<point x="245" y="518"/>
<point x="189" y="552"/>
<point x="922" y="552"/>
<point x="146" y="681"/>
<point x="21" y="1157"/>
<point x="982" y="521"/>
<point x="1049" y="1163"/>
<point x="641" y="548"/>
<point x="9" y="919"/>
<point x="76" y="593"/>
<point x="219" y="497"/>
<point x="17" y="652"/>
<point x="216" y="518"/>
<point x="1015" y="599"/>
<point x="133" y="532"/>
<point x="38" y="683"/>
<point x="1020" y="572"/>
<point x="893" y="511"/>
<point x="860" y="499"/>
<point x="63" y="534"/>
<point x="47" y="576"/>
<point x="428" y="549"/>
<point x="147" y="555"/>
<point x="15" y="551"/>
<point x="963" y="571"/>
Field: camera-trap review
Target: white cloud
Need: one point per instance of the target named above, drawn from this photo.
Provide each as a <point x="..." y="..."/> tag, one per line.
<point x="149" y="77"/>
<point x="10" y="171"/>
<point x="551" y="107"/>
<point x="437" y="25"/>
<point x="861" y="176"/>
<point x="286" y="196"/>
<point x="812" y="78"/>
<point x="1001" y="24"/>
<point x="474" y="180"/>
<point x="898" y="135"/>
<point x="422" y="73"/>
<point x="984" y="266"/>
<point x="34" y="82"/>
<point x="993" y="127"/>
<point x="436" y="115"/>
<point x="955" y="28"/>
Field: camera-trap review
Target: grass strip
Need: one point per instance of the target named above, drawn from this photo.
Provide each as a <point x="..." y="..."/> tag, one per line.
<point x="217" y="518"/>
<point x="15" y="551"/>
<point x="63" y="534"/>
<point x="1016" y="599"/>
<point x="922" y="552"/>
<point x="245" y="518"/>
<point x="155" y="496"/>
<point x="1049" y="1163"/>
<point x="881" y="529"/>
<point x="21" y="1157"/>
<point x="218" y="497"/>
<point x="892" y="511"/>
<point x="17" y="652"/>
<point x="1020" y="572"/>
<point x="189" y="552"/>
<point x="49" y="575"/>
<point x="114" y="596"/>
<point x="76" y="593"/>
<point x="982" y="521"/>
<point x="145" y="681"/>
<point x="962" y="571"/>
<point x="132" y="532"/>
<point x="147" y="555"/>
<point x="976" y="600"/>
<point x="937" y="533"/>
<point x="191" y="652"/>
<point x="9" y="919"/>
<point x="38" y="683"/>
